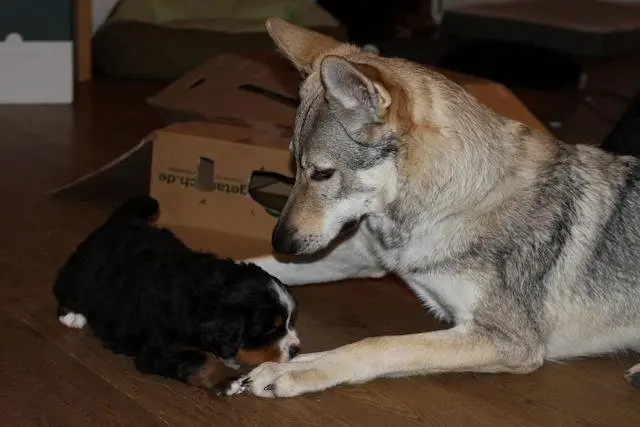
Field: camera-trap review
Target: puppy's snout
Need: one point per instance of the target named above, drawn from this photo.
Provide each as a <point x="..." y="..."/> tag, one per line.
<point x="283" y="239"/>
<point x="294" y="350"/>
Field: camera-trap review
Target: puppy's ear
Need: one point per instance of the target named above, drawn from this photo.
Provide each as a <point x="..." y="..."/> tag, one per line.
<point x="223" y="335"/>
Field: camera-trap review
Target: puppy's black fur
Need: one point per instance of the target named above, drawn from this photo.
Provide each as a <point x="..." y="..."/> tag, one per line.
<point x="145" y="294"/>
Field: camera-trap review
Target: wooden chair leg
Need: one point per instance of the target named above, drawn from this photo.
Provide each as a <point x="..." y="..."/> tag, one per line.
<point x="83" y="32"/>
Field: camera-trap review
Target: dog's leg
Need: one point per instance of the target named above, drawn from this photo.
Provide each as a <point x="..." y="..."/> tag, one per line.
<point x="351" y="258"/>
<point x="189" y="366"/>
<point x="307" y="357"/>
<point x="455" y="350"/>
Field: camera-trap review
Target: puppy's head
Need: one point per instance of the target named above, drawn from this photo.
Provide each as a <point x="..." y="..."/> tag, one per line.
<point x="252" y="321"/>
<point x="345" y="140"/>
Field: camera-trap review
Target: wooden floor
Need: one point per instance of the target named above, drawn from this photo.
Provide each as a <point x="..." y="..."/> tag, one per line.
<point x="52" y="376"/>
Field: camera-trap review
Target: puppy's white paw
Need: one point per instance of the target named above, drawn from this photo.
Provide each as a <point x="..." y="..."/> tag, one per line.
<point x="232" y="388"/>
<point x="73" y="320"/>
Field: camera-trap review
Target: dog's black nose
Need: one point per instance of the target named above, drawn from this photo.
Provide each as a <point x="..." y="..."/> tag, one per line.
<point x="282" y="240"/>
<point x="294" y="350"/>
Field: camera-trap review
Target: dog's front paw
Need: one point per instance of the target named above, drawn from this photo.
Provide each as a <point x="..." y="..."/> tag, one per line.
<point x="633" y="376"/>
<point x="272" y="380"/>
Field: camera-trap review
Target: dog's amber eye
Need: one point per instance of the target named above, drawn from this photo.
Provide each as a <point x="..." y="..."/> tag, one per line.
<point x="322" y="174"/>
<point x="279" y="321"/>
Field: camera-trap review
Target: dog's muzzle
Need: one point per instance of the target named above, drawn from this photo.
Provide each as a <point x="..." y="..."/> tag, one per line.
<point x="283" y="240"/>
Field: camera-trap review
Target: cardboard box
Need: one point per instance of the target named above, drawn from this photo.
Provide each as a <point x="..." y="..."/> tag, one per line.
<point x="227" y="178"/>
<point x="216" y="176"/>
<point x="230" y="172"/>
<point x="36" y="52"/>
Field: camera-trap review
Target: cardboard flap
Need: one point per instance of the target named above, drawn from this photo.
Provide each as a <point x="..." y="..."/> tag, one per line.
<point x="260" y="88"/>
<point x="127" y="175"/>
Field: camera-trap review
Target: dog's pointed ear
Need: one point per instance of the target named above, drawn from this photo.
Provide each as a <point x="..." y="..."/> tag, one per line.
<point x="300" y="45"/>
<point x="349" y="89"/>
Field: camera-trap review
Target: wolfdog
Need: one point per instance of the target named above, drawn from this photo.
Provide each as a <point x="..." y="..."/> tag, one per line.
<point x="528" y="246"/>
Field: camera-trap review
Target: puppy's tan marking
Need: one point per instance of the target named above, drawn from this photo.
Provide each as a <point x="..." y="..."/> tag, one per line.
<point x="254" y="357"/>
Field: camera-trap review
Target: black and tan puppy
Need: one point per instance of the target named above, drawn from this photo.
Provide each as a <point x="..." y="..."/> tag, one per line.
<point x="177" y="312"/>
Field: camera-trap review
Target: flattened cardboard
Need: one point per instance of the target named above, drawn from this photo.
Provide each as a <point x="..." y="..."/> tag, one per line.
<point x="203" y="173"/>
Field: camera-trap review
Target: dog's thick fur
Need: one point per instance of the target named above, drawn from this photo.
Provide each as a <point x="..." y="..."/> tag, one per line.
<point x="147" y="295"/>
<point x="529" y="246"/>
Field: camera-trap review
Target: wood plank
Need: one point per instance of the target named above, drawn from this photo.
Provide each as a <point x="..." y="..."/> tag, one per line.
<point x="41" y="385"/>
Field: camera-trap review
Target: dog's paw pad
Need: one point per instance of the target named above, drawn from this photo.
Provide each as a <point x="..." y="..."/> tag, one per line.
<point x="73" y="320"/>
<point x="633" y="376"/>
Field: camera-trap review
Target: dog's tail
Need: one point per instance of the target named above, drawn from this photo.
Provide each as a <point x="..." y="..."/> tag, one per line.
<point x="139" y="207"/>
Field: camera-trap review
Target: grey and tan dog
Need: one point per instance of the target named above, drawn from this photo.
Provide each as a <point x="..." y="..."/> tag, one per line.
<point x="530" y="247"/>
